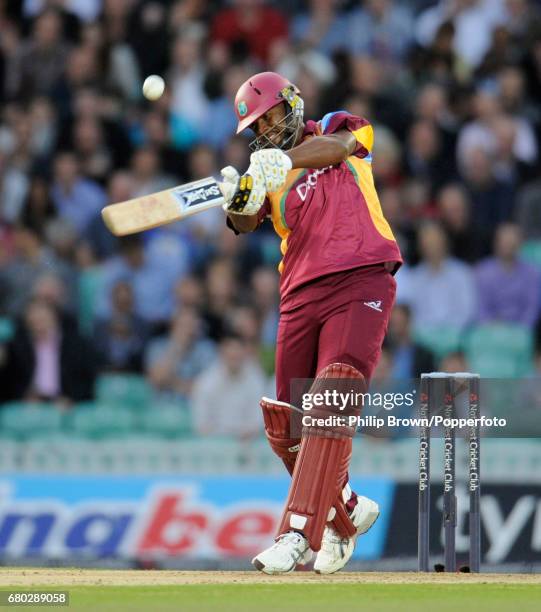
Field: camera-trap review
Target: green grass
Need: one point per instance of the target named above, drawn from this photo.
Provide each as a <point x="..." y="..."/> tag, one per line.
<point x="303" y="597"/>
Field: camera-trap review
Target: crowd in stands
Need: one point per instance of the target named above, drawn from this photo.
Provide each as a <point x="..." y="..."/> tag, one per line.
<point x="453" y="89"/>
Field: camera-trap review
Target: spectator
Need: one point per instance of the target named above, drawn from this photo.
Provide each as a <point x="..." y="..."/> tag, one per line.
<point x="148" y="29"/>
<point x="31" y="259"/>
<point x="91" y="148"/>
<point x="119" y="61"/>
<point x="76" y="199"/>
<point x="249" y="28"/>
<point x="82" y="70"/>
<point x="507" y="167"/>
<point x="43" y="123"/>
<point x="146" y="173"/>
<point x="101" y="241"/>
<point x="424" y="155"/>
<point x="473" y="20"/>
<point x="417" y="200"/>
<point x="44" y="364"/>
<point x="38" y="206"/>
<point x="221" y="287"/>
<point x="438" y="60"/>
<point x="387" y="153"/>
<point x="151" y="277"/>
<point x="322" y="27"/>
<point x="240" y="252"/>
<point x="221" y="108"/>
<point x="532" y="64"/>
<point x="62" y="241"/>
<point x="14" y="187"/>
<point x="481" y="132"/>
<point x="528" y="210"/>
<point x="173" y="362"/>
<point x="409" y="359"/>
<point x="157" y="137"/>
<point x="492" y="199"/>
<point x="454" y="362"/>
<point x="189" y="104"/>
<point x="244" y="322"/>
<point x="121" y="338"/>
<point x="508" y="289"/>
<point x="38" y="64"/>
<point x="380" y="28"/>
<point x="86" y="10"/>
<point x="500" y="53"/>
<point x="467" y="241"/>
<point x="235" y="152"/>
<point x="226" y="395"/>
<point x="432" y="104"/>
<point x="523" y="19"/>
<point x="51" y="290"/>
<point x="190" y="293"/>
<point x="512" y="92"/>
<point x="202" y="163"/>
<point x="92" y="107"/>
<point x="441" y="289"/>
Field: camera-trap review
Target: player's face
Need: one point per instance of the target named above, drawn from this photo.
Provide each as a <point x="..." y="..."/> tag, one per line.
<point x="269" y="124"/>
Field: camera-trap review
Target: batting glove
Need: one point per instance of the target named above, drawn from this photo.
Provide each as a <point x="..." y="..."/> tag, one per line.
<point x="230" y="184"/>
<point x="270" y="166"/>
<point x="244" y="195"/>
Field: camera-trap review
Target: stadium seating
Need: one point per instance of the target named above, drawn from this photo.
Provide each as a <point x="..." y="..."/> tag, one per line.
<point x="98" y="421"/>
<point x="124" y="390"/>
<point x="22" y="421"/>
<point x="531" y="252"/>
<point x="89" y="286"/>
<point x="166" y="420"/>
<point x="500" y="350"/>
<point x="440" y="340"/>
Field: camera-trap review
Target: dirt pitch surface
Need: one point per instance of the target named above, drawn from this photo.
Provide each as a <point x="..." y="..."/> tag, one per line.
<point x="29" y="577"/>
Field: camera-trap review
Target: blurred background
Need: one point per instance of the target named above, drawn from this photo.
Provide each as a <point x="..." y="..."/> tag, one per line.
<point x="131" y="370"/>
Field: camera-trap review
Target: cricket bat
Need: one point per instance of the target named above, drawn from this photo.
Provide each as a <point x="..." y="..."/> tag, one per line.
<point x="163" y="207"/>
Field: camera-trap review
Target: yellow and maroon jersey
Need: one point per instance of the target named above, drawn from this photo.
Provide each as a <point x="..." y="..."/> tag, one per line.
<point x="330" y="219"/>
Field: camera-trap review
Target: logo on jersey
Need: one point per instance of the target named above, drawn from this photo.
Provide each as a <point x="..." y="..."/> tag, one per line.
<point x="374" y="305"/>
<point x="310" y="182"/>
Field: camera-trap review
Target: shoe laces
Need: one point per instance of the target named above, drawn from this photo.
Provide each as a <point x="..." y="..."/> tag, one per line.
<point x="291" y="537"/>
<point x="331" y="537"/>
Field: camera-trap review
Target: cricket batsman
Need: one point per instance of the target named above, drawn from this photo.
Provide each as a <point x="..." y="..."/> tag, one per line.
<point x="314" y="180"/>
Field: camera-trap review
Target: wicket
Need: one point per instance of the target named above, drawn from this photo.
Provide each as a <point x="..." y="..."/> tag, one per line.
<point x="427" y="406"/>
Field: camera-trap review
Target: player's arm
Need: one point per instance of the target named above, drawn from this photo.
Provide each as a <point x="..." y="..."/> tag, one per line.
<point x="268" y="171"/>
<point x="244" y="223"/>
<point x="322" y="151"/>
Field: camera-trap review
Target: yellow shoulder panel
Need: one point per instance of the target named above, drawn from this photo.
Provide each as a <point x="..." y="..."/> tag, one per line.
<point x="362" y="171"/>
<point x="365" y="136"/>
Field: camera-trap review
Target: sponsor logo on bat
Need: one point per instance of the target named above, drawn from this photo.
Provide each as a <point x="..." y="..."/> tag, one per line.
<point x="199" y="195"/>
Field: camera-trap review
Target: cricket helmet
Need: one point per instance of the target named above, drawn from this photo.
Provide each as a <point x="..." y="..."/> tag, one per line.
<point x="259" y="94"/>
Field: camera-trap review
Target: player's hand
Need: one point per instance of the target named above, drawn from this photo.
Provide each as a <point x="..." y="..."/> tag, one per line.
<point x="229" y="184"/>
<point x="270" y="167"/>
<point x="244" y="195"/>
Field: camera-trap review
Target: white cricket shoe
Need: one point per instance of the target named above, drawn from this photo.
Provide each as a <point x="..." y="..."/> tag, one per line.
<point x="289" y="550"/>
<point x="335" y="550"/>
